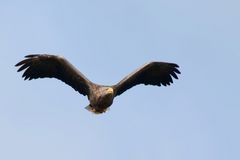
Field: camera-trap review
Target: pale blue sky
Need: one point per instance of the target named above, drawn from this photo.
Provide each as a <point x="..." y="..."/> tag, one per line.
<point x="197" y="118"/>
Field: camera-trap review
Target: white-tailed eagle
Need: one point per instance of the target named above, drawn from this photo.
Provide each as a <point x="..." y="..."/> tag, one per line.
<point x="100" y="96"/>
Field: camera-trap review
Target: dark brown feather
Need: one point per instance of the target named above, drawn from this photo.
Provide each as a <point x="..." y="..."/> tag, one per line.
<point x="51" y="66"/>
<point x="153" y="73"/>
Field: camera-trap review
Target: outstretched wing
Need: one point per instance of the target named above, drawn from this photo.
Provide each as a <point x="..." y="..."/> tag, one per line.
<point x="153" y="73"/>
<point x="51" y="66"/>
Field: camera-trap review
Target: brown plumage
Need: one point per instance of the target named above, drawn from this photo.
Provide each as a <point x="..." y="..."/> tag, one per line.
<point x="100" y="96"/>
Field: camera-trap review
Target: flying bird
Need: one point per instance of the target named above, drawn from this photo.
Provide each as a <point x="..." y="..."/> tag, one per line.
<point x="100" y="96"/>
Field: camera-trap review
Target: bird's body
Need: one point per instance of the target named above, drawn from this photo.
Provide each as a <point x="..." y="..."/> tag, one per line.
<point x="100" y="96"/>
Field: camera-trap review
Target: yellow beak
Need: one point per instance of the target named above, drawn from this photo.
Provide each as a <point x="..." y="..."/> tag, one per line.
<point x="110" y="90"/>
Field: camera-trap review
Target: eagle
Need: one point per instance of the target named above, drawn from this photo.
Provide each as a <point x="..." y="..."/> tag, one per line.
<point x="100" y="96"/>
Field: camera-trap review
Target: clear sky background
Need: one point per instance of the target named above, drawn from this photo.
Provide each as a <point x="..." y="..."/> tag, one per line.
<point x="197" y="118"/>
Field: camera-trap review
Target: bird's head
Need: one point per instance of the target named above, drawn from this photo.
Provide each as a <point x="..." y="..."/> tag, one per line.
<point x="109" y="91"/>
<point x="105" y="93"/>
